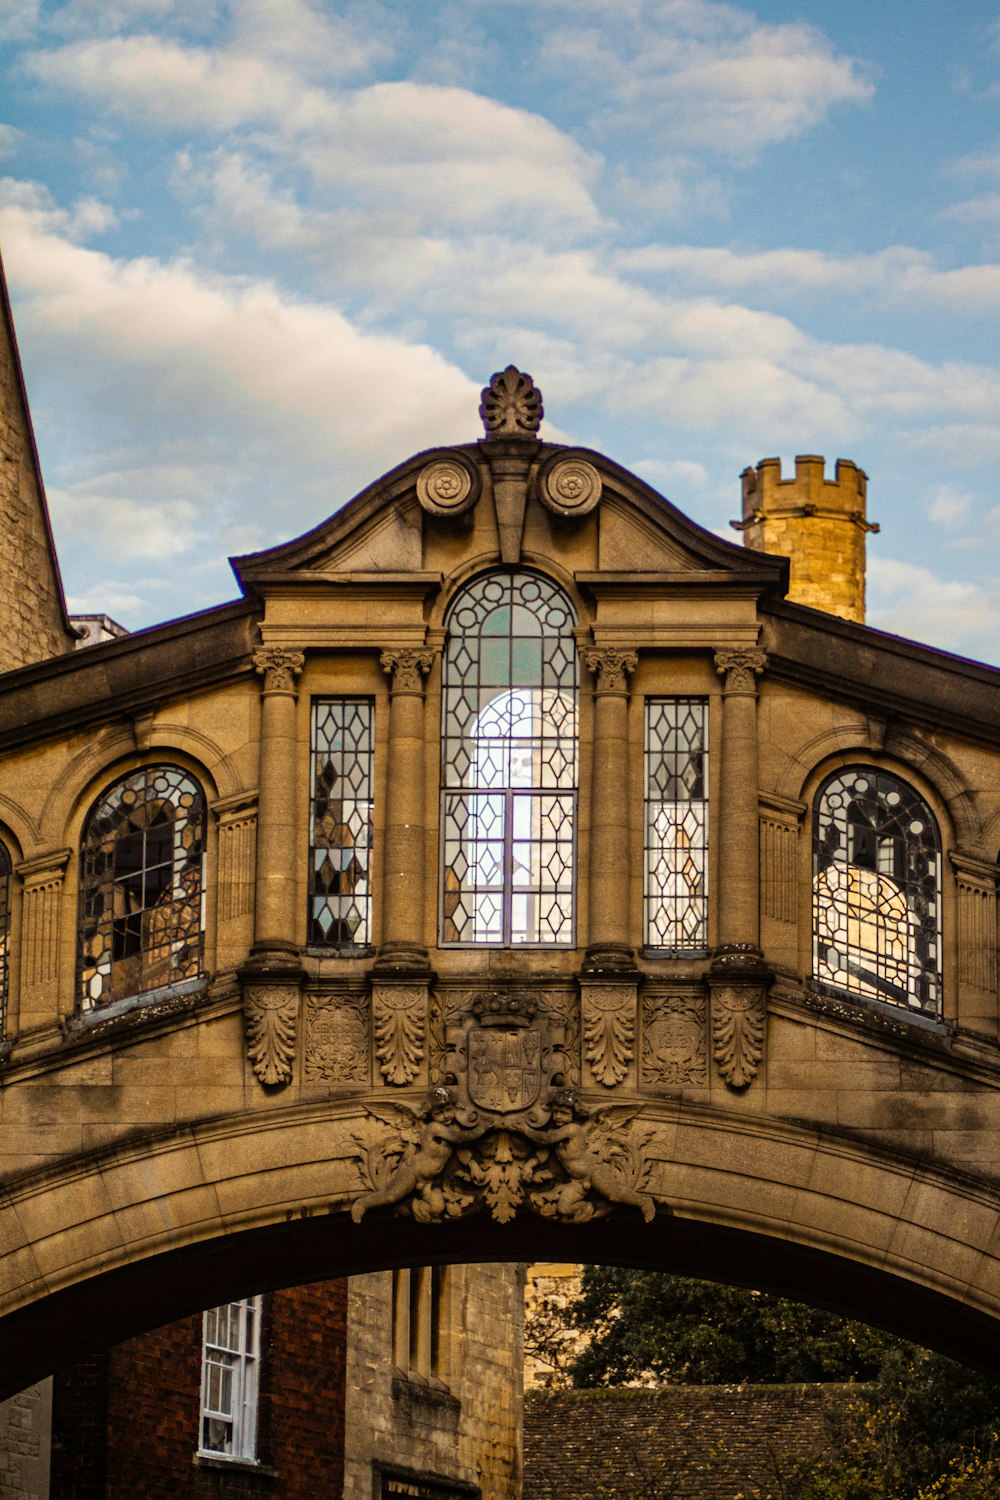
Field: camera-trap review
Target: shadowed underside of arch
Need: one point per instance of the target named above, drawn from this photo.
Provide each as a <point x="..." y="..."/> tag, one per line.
<point x="126" y="1239"/>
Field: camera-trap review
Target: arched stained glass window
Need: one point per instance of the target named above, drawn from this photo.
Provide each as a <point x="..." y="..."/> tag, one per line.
<point x="877" y="890"/>
<point x="141" y="886"/>
<point x="509" y="759"/>
<point x="5" y="880"/>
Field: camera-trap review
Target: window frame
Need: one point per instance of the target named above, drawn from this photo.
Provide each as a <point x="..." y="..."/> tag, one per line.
<point x="246" y="1367"/>
<point x="314" y="942"/>
<point x="902" y="850"/>
<point x="6" y="926"/>
<point x="649" y="848"/>
<point x="551" y="794"/>
<point x="96" y="919"/>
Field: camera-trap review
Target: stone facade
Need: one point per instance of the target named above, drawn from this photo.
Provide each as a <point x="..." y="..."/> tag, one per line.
<point x="639" y="1040"/>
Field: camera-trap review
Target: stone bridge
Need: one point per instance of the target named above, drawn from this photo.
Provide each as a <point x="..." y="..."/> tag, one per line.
<point x="515" y="871"/>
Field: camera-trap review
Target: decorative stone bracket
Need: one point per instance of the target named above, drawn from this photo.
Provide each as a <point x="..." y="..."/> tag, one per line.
<point x="271" y="1002"/>
<point x="608" y="1015"/>
<point x="399" y="1024"/>
<point x="739" y="980"/>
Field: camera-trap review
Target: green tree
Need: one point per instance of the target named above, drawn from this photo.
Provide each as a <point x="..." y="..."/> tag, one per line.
<point x="645" y="1326"/>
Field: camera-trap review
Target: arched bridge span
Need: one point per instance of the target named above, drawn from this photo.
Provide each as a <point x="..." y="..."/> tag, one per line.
<point x="158" y="1225"/>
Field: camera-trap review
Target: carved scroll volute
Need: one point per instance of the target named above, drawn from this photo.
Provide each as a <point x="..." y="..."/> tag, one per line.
<point x="407" y="669"/>
<point x="399" y="1020"/>
<point x="279" y="668"/>
<point x="739" y="1019"/>
<point x="608" y="1015"/>
<point x="612" y="669"/>
<point x="740" y="669"/>
<point x="271" y="1012"/>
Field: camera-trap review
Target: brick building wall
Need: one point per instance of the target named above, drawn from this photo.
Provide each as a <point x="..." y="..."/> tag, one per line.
<point x="125" y="1424"/>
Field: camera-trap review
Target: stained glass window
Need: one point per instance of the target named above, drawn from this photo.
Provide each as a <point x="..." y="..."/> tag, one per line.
<point x="341" y="823"/>
<point x="230" y="1367"/>
<point x="509" y="752"/>
<point x="676" y="860"/>
<point x="877" y="890"/>
<point x="5" y="878"/>
<point x="141" y="886"/>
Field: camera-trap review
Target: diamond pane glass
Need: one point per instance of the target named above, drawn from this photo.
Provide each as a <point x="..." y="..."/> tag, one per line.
<point x="676" y="855"/>
<point x="142" y="886"/>
<point x="5" y="878"/>
<point x="509" y="764"/>
<point x="340" y="837"/>
<point x="877" y="890"/>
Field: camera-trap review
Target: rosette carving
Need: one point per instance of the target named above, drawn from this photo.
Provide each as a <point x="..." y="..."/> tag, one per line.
<point x="271" y="1013"/>
<point x="608" y="1030"/>
<point x="739" y="1016"/>
<point x="570" y="487"/>
<point x="447" y="487"/>
<point x="399" y="1018"/>
<point x="511" y="405"/>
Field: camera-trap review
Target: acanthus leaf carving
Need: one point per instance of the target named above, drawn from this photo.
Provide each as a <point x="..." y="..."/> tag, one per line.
<point x="561" y="1160"/>
<point x="612" y="668"/>
<point x="739" y="1017"/>
<point x="740" y="669"/>
<point x="271" y="1013"/>
<point x="511" y="405"/>
<point x="399" y="1020"/>
<point x="608" y="1030"/>
<point x="407" y="668"/>
<point x="279" y="668"/>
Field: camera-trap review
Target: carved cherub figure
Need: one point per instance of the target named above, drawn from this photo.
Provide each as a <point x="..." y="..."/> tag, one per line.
<point x="570" y="1138"/>
<point x="422" y="1165"/>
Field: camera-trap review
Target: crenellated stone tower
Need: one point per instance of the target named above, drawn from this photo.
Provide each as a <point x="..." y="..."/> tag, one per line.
<point x="33" y="622"/>
<point x="818" y="523"/>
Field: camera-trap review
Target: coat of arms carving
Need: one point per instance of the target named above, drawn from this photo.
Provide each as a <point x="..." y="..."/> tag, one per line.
<point x="505" y="1054"/>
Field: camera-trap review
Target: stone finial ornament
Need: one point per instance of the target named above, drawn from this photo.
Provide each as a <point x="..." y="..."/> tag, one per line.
<point x="511" y="405"/>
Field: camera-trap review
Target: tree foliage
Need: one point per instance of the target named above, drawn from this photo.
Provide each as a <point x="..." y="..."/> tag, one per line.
<point x="650" y="1328"/>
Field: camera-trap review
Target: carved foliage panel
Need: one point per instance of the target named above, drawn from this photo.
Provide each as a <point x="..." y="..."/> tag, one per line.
<point x="608" y="1014"/>
<point x="674" y="1047"/>
<point x="399" y="1023"/>
<point x="337" y="1048"/>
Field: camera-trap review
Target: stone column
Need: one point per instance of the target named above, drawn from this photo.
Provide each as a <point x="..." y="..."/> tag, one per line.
<point x="739" y="838"/>
<point x="738" y="978"/>
<point x="274" y="919"/>
<point x="403" y="867"/>
<point x="272" y="978"/>
<point x="609" y="934"/>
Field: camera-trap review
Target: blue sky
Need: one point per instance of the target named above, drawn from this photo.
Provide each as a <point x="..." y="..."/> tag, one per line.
<point x="260" y="252"/>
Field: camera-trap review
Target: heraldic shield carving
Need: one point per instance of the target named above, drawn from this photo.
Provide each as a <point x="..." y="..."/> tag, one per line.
<point x="504" y="1132"/>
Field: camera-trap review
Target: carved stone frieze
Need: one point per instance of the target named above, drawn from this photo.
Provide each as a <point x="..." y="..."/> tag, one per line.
<point x="337" y="1046"/>
<point x="608" y="1013"/>
<point x="448" y="486"/>
<point x="552" y="1015"/>
<point x="612" y="668"/>
<point x="561" y="1160"/>
<point x="569" y="486"/>
<point x="739" y="1019"/>
<point x="674" y="1048"/>
<point x="407" y="669"/>
<point x="740" y="669"/>
<point x="279" y="668"/>
<point x="271" y="1012"/>
<point x="511" y="405"/>
<point x="399" y="1024"/>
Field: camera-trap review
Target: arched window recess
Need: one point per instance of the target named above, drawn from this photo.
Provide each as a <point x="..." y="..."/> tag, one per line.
<point x="877" y="891"/>
<point x="142" y="887"/>
<point x="509" y="764"/>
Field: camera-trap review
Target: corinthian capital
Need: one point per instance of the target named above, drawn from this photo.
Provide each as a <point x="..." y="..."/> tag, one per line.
<point x="279" y="668"/>
<point x="612" y="669"/>
<point x="407" y="669"/>
<point x="740" y="668"/>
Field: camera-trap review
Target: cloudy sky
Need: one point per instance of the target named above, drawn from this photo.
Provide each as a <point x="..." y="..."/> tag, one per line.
<point x="262" y="251"/>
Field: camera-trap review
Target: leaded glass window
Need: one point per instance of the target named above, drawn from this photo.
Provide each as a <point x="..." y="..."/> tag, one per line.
<point x="230" y="1368"/>
<point x="877" y="890"/>
<point x="5" y="880"/>
<point x="141" y="886"/>
<point x="509" y="751"/>
<point x="676" y="856"/>
<point x="340" y="837"/>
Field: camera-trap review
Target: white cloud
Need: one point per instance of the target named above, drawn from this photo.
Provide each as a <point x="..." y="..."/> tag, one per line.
<point x="949" y="504"/>
<point x="912" y="601"/>
<point x="18" y="19"/>
<point x="982" y="210"/>
<point x="141" y="523"/>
